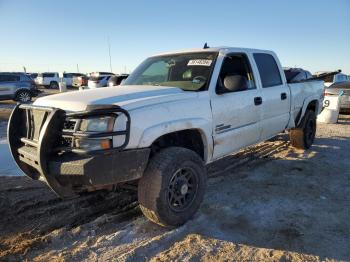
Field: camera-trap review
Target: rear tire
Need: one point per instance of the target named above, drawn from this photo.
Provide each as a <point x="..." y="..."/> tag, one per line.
<point x="304" y="136"/>
<point x="172" y="187"/>
<point x="53" y="85"/>
<point x="23" y="96"/>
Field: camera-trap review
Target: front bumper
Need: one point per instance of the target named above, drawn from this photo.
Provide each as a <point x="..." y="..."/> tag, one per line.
<point x="35" y="137"/>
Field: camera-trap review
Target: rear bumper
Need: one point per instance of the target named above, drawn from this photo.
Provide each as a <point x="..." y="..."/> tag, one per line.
<point x="34" y="135"/>
<point x="345" y="102"/>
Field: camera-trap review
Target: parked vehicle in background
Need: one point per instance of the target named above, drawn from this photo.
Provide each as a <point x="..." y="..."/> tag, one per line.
<point x="337" y="78"/>
<point x="335" y="89"/>
<point x="48" y="79"/>
<point x="101" y="74"/>
<point x="117" y="79"/>
<point x="79" y="81"/>
<point x="175" y="113"/>
<point x="51" y="79"/>
<point x="68" y="78"/>
<point x="17" y="86"/>
<point x="32" y="75"/>
<point x="294" y="75"/>
<point x="99" y="79"/>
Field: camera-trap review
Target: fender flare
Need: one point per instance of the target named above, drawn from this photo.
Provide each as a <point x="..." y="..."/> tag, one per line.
<point x="306" y="103"/>
<point x="152" y="133"/>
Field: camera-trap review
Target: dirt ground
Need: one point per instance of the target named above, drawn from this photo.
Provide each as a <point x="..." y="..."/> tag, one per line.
<point x="266" y="203"/>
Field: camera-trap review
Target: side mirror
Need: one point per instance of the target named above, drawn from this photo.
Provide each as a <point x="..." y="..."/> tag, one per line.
<point x="235" y="83"/>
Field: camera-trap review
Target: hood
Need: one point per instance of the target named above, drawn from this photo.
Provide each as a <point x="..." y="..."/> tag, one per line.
<point x="128" y="97"/>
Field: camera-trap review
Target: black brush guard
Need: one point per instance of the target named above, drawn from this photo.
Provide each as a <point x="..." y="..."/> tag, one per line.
<point x="42" y="144"/>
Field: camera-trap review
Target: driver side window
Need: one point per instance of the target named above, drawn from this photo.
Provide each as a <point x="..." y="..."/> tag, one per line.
<point x="235" y="75"/>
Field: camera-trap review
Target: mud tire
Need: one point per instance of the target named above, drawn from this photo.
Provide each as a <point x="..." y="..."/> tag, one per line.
<point x="304" y="136"/>
<point x="156" y="186"/>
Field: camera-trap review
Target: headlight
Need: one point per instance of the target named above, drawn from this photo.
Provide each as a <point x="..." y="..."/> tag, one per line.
<point x="96" y="124"/>
<point x="100" y="124"/>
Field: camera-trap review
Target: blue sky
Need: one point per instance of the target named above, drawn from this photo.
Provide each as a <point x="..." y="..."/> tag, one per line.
<point x="58" y="35"/>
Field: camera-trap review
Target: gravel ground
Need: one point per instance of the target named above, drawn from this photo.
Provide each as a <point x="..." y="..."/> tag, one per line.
<point x="269" y="202"/>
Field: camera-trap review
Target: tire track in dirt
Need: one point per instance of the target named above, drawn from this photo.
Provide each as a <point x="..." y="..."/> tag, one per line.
<point x="251" y="156"/>
<point x="32" y="212"/>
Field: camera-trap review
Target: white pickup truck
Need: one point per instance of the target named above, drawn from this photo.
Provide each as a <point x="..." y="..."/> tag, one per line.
<point x="174" y="114"/>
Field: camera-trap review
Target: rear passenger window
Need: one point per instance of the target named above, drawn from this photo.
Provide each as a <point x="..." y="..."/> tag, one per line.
<point x="268" y="70"/>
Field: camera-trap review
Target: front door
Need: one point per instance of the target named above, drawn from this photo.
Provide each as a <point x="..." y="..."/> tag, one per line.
<point x="236" y="114"/>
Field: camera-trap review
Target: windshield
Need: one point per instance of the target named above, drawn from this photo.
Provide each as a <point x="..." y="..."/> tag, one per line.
<point x="188" y="71"/>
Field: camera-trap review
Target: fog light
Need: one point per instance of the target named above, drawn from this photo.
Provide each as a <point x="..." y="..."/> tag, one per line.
<point x="93" y="144"/>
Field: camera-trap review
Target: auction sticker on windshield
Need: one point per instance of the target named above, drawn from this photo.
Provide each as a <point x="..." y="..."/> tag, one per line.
<point x="200" y="62"/>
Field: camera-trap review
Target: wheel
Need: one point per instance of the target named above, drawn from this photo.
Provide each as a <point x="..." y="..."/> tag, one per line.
<point x="172" y="187"/>
<point x="23" y="96"/>
<point x="53" y="85"/>
<point x="304" y="136"/>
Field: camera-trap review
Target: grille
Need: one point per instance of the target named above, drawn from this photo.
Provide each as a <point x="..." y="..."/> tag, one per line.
<point x="69" y="125"/>
<point x="67" y="141"/>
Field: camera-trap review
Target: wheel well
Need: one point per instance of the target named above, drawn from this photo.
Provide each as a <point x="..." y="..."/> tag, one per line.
<point x="190" y="139"/>
<point x="313" y="105"/>
<point x="51" y="82"/>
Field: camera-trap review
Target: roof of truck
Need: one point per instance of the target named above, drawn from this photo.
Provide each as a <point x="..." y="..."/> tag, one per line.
<point x="224" y="49"/>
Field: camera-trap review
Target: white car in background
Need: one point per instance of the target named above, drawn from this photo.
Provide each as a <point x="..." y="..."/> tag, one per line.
<point x="68" y="78"/>
<point x="48" y="79"/>
<point x="51" y="79"/>
<point x="99" y="79"/>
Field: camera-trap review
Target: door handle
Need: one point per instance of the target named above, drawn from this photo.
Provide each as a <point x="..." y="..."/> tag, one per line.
<point x="283" y="96"/>
<point x="257" y="100"/>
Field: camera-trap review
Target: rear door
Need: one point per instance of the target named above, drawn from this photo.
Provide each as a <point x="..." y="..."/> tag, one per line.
<point x="275" y="95"/>
<point x="236" y="115"/>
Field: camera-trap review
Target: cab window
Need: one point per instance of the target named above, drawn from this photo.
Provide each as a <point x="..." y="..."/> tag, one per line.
<point x="268" y="70"/>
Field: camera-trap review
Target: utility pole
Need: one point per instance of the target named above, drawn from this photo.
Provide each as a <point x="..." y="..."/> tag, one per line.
<point x="109" y="52"/>
<point x="78" y="68"/>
